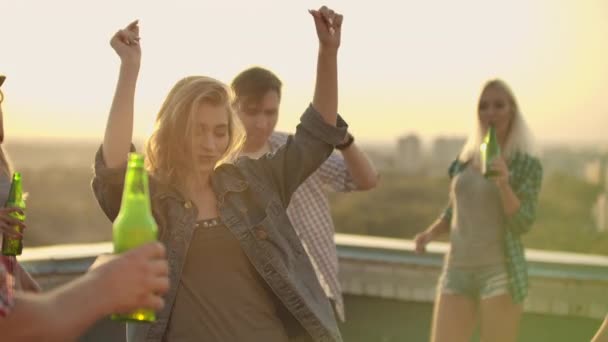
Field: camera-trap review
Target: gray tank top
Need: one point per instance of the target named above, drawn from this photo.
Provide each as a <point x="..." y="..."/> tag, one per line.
<point x="477" y="227"/>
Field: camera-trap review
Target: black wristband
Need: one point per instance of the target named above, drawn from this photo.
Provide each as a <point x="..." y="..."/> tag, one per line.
<point x="347" y="144"/>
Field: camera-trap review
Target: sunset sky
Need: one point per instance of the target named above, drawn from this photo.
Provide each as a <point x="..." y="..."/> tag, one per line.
<point x="405" y="66"/>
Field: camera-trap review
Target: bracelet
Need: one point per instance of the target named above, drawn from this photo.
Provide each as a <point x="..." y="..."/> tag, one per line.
<point x="346" y="144"/>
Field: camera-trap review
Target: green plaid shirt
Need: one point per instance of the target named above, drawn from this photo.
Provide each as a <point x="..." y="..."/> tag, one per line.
<point x="525" y="178"/>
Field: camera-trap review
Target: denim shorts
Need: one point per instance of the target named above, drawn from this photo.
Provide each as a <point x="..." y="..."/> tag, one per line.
<point x="476" y="282"/>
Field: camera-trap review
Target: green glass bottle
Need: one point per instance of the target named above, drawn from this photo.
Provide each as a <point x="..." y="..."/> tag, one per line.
<point x="14" y="245"/>
<point x="135" y="225"/>
<point x="489" y="150"/>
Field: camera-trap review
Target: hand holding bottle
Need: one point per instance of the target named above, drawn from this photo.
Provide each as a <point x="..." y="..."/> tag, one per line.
<point x="135" y="225"/>
<point x="10" y="225"/>
<point x="133" y="280"/>
<point x="500" y="171"/>
<point x="12" y="245"/>
<point x="489" y="151"/>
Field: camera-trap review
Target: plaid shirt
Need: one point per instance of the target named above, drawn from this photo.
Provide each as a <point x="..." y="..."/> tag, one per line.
<point x="7" y="284"/>
<point x="310" y="215"/>
<point x="525" y="178"/>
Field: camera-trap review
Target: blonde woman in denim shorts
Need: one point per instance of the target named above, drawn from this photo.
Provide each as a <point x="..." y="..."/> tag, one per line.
<point x="485" y="276"/>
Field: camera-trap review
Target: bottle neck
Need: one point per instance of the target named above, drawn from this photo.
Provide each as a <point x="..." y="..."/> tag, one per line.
<point x="491" y="131"/>
<point x="136" y="195"/>
<point x="491" y="134"/>
<point x="15" y="194"/>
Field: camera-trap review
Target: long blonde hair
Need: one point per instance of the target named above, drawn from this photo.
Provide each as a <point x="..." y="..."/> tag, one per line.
<point x="166" y="149"/>
<point x="519" y="139"/>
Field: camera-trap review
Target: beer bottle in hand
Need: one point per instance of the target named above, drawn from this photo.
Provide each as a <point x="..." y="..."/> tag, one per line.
<point x="489" y="151"/>
<point x="134" y="224"/>
<point x="14" y="245"/>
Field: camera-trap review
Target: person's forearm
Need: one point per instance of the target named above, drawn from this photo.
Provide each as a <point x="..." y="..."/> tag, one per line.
<point x="439" y="227"/>
<point x="119" y="128"/>
<point x="76" y="317"/>
<point x="510" y="202"/>
<point x="325" y="99"/>
<point x="359" y="166"/>
<point x="62" y="314"/>
<point x="27" y="283"/>
<point x="29" y="319"/>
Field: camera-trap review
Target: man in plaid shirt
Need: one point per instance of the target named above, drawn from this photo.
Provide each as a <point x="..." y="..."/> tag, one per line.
<point x="258" y="96"/>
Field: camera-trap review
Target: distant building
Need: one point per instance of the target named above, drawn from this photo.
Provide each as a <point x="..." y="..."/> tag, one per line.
<point x="409" y="154"/>
<point x="382" y="158"/>
<point x="444" y="151"/>
<point x="593" y="171"/>
<point x="600" y="208"/>
<point x="582" y="163"/>
<point x="600" y="213"/>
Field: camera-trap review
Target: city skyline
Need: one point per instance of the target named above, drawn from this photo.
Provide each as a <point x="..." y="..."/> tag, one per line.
<point x="404" y="66"/>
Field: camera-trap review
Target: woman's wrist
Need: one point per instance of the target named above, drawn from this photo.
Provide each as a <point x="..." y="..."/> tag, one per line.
<point x="432" y="232"/>
<point x="503" y="185"/>
<point x="348" y="141"/>
<point x="129" y="65"/>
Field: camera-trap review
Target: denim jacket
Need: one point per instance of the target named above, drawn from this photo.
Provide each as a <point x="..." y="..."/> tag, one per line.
<point x="252" y="199"/>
